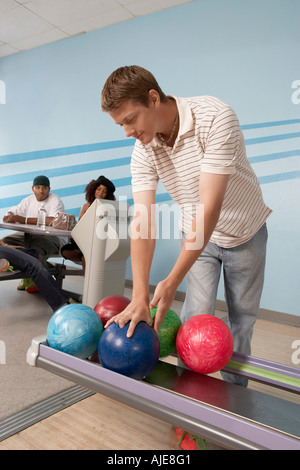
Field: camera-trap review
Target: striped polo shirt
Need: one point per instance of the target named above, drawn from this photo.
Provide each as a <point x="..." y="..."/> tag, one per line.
<point x="209" y="140"/>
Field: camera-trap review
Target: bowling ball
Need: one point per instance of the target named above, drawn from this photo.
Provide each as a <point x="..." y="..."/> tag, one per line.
<point x="75" y="329"/>
<point x="167" y="332"/>
<point x="204" y="344"/>
<point x="111" y="306"/>
<point x="134" y="357"/>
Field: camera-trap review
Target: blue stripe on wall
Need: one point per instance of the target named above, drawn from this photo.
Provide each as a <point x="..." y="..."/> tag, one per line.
<point x="271" y="138"/>
<point x="279" y="177"/>
<point x="67" y="170"/>
<point x="261" y="125"/>
<point x="274" y="156"/>
<point x="58" y="152"/>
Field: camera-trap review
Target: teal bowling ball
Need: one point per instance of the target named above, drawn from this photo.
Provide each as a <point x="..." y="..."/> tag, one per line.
<point x="167" y="332"/>
<point x="75" y="329"/>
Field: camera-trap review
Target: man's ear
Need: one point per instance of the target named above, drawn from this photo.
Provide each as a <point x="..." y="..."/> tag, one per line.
<point x="154" y="98"/>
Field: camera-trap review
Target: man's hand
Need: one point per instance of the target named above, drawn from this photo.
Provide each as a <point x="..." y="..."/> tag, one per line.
<point x="163" y="297"/>
<point x="139" y="310"/>
<point x="135" y="312"/>
<point x="14" y="219"/>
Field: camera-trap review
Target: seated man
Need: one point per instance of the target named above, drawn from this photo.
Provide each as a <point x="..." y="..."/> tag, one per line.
<point x="26" y="212"/>
<point x="26" y="261"/>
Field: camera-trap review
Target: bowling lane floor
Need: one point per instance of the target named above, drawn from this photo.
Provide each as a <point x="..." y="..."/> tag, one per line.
<point x="23" y="316"/>
<point x="95" y="422"/>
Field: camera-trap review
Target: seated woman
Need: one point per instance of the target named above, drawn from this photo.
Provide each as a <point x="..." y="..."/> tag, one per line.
<point x="101" y="188"/>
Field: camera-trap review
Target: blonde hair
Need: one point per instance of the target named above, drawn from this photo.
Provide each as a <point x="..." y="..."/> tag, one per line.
<point x="129" y="83"/>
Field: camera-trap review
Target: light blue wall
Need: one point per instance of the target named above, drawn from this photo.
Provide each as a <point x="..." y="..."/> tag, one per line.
<point x="244" y="52"/>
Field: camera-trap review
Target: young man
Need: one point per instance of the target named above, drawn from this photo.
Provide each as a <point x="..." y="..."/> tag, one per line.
<point x="26" y="212"/>
<point x="195" y="146"/>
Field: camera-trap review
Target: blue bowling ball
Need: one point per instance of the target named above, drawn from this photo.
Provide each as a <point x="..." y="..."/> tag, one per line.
<point x="134" y="357"/>
<point x="75" y="329"/>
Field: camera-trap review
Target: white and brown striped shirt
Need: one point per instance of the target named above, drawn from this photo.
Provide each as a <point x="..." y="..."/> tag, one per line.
<point x="209" y="140"/>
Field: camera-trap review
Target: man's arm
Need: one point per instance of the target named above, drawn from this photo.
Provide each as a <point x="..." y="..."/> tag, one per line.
<point x="142" y="250"/>
<point x="20" y="219"/>
<point x="12" y="211"/>
<point x="212" y="188"/>
<point x="17" y="214"/>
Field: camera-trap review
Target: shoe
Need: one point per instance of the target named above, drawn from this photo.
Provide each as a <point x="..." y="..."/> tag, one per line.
<point x="69" y="302"/>
<point x="28" y="285"/>
<point x="25" y="282"/>
<point x="32" y="288"/>
<point x="187" y="441"/>
<point x="5" y="266"/>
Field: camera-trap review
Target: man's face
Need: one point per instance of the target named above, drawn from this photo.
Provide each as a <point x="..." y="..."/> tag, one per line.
<point x="41" y="192"/>
<point x="138" y="120"/>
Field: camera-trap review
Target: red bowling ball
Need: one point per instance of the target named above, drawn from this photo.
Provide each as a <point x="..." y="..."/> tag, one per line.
<point x="111" y="306"/>
<point x="204" y="344"/>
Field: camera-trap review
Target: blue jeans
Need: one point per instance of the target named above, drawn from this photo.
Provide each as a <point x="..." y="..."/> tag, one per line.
<point x="26" y="261"/>
<point x="243" y="272"/>
<point x="45" y="247"/>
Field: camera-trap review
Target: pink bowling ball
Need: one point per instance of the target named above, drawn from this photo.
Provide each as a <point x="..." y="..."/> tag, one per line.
<point x="204" y="344"/>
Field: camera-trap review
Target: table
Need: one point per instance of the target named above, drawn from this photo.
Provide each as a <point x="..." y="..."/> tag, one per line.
<point x="30" y="230"/>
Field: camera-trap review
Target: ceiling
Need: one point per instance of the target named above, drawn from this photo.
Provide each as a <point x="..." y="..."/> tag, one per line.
<point x="25" y="24"/>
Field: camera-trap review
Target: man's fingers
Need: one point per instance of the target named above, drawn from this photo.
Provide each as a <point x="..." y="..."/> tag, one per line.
<point x="159" y="316"/>
<point x="119" y="319"/>
<point x="153" y="302"/>
<point x="122" y="320"/>
<point x="131" y="328"/>
<point x="133" y="313"/>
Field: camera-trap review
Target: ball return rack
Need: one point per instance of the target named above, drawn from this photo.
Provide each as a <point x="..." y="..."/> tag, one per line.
<point x="226" y="414"/>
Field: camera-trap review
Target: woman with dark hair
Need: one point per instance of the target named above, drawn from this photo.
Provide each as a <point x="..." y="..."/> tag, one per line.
<point x="101" y="188"/>
<point x="104" y="187"/>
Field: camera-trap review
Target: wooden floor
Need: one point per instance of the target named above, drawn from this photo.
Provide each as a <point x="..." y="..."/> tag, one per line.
<point x="96" y="423"/>
<point x="99" y="423"/>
